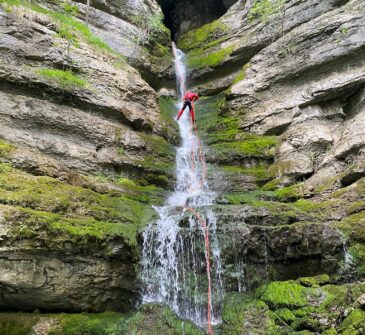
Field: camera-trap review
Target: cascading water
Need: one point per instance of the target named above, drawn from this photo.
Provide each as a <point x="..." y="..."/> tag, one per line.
<point x="181" y="258"/>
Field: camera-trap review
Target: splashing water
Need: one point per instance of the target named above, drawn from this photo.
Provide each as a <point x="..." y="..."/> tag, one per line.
<point x="181" y="256"/>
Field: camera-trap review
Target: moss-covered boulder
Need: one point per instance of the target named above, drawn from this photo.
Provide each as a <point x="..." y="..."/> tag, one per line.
<point x="290" y="308"/>
<point x="149" y="319"/>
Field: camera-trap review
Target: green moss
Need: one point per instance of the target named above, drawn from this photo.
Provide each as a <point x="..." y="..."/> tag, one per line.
<point x="285" y="315"/>
<point x="222" y="129"/>
<point x="17" y="323"/>
<point x="152" y="26"/>
<point x="157" y="320"/>
<point x="149" y="319"/>
<point x="28" y="223"/>
<point x="199" y="59"/>
<point x="326" y="185"/>
<point x="357" y="251"/>
<point x="66" y="79"/>
<point x="356" y="207"/>
<point x="241" y="75"/>
<point x="305" y="324"/>
<point x="250" y="146"/>
<point x="281" y="212"/>
<point x="287" y="294"/>
<point x="244" y="315"/>
<point x="330" y="332"/>
<point x="160" y="156"/>
<point x="262" y="9"/>
<point x="203" y="35"/>
<point x="44" y="201"/>
<point x="353" y="226"/>
<point x="304" y="311"/>
<point x="161" y="51"/>
<point x="260" y="172"/>
<point x="6" y="149"/>
<point x="315" y="281"/>
<point x="272" y="185"/>
<point x="290" y="193"/>
<point x="149" y="194"/>
<point x="66" y="22"/>
<point x="159" y="146"/>
<point x="70" y="9"/>
<point x="107" y="323"/>
<point x="333" y="296"/>
<point x="154" y="164"/>
<point x="354" y="324"/>
<point x="168" y="113"/>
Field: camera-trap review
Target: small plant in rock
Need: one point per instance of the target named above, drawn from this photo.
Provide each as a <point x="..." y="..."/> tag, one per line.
<point x="262" y="9"/>
<point x="71" y="39"/>
<point x="344" y="30"/>
<point x="150" y="24"/>
<point x="287" y="51"/>
<point x="66" y="79"/>
<point x="70" y="9"/>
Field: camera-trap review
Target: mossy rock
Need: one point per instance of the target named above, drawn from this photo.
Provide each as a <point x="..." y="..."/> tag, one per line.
<point x="200" y="58"/>
<point x="285" y="315"/>
<point x="37" y="204"/>
<point x="354" y="324"/>
<point x="290" y="193"/>
<point x="287" y="294"/>
<point x="150" y="319"/>
<point x="315" y="281"/>
<point x="17" y="323"/>
<point x="203" y="36"/>
<point x="107" y="323"/>
<point x="168" y="111"/>
<point x="330" y="332"/>
<point x="155" y="319"/>
<point x="6" y="149"/>
<point x="244" y="315"/>
<point x="306" y="323"/>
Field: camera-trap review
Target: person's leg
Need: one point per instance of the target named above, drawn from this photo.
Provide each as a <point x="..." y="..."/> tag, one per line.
<point x="192" y="114"/>
<point x="182" y="110"/>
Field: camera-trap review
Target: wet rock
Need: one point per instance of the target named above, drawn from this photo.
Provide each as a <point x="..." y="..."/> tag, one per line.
<point x="361" y="301"/>
<point x="45" y="327"/>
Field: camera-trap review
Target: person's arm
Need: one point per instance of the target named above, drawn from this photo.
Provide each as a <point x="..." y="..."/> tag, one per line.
<point x="196" y="97"/>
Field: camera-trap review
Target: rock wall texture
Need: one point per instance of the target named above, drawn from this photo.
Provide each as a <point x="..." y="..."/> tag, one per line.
<point x="87" y="148"/>
<point x="283" y="126"/>
<point x="79" y="165"/>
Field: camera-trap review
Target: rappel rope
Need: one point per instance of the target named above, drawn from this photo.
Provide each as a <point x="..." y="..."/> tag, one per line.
<point x="199" y="218"/>
<point x="207" y="253"/>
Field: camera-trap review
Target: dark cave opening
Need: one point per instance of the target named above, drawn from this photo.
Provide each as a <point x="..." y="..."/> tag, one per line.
<point x="183" y="15"/>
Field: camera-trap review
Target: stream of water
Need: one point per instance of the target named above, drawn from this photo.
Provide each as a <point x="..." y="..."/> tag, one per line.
<point x="179" y="264"/>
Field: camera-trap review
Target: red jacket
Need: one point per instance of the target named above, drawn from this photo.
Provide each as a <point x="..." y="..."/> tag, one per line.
<point x="191" y="96"/>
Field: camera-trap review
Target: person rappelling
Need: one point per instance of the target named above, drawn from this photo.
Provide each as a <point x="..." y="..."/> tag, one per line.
<point x="189" y="99"/>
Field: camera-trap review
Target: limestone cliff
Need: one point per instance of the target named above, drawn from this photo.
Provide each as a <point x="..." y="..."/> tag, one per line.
<point x="284" y="128"/>
<point x="80" y="130"/>
<point x="87" y="148"/>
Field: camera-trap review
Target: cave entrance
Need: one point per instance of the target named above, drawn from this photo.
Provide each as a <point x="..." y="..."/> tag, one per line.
<point x="184" y="15"/>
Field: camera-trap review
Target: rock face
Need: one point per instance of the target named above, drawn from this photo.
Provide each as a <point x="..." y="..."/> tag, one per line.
<point x="284" y="127"/>
<point x="79" y="132"/>
<point x="87" y="148"/>
<point x="134" y="29"/>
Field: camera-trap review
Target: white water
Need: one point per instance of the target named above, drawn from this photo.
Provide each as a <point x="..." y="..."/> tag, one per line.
<point x="174" y="258"/>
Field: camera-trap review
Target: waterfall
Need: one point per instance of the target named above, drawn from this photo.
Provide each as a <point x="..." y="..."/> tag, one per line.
<point x="181" y="255"/>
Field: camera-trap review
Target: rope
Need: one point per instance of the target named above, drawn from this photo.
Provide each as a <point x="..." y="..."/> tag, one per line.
<point x="207" y="253"/>
<point x="201" y="221"/>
